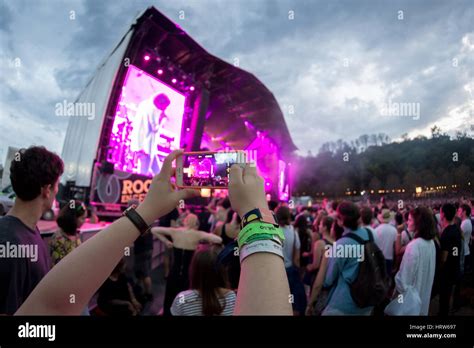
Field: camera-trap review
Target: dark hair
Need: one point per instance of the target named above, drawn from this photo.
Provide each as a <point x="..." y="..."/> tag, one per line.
<point x="399" y="218"/>
<point x="467" y="209"/>
<point x="32" y="169"/>
<point x="301" y="223"/>
<point x="283" y="215"/>
<point x="67" y="218"/>
<point x="272" y="205"/>
<point x="206" y="277"/>
<point x="327" y="222"/>
<point x="225" y="203"/>
<point x="449" y="211"/>
<point x="349" y="213"/>
<point x="334" y="205"/>
<point x="425" y="224"/>
<point x="366" y="215"/>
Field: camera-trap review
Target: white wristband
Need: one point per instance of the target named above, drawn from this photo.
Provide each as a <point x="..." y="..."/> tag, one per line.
<point x="261" y="246"/>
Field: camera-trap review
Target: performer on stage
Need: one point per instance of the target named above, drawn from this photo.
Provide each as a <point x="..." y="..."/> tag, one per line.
<point x="145" y="137"/>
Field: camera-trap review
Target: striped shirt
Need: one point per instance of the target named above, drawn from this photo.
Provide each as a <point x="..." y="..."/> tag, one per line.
<point x="189" y="303"/>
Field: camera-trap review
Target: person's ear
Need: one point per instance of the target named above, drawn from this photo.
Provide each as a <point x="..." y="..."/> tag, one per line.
<point x="46" y="191"/>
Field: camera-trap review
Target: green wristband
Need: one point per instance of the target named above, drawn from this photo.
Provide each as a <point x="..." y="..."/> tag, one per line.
<point x="259" y="231"/>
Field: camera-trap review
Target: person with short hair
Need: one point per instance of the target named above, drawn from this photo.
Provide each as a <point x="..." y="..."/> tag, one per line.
<point x="386" y="236"/>
<point x="34" y="175"/>
<point x="464" y="212"/>
<point x="342" y="271"/>
<point x="451" y="248"/>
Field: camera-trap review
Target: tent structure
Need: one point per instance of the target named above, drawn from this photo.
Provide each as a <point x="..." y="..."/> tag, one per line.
<point x="226" y="107"/>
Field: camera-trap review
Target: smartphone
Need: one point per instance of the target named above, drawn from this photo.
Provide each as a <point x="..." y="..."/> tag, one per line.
<point x="207" y="169"/>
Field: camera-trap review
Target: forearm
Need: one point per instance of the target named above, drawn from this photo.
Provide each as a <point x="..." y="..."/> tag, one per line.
<point x="263" y="286"/>
<point x="68" y="287"/>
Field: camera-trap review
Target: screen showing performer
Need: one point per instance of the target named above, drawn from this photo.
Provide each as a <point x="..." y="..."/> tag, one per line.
<point x="147" y="124"/>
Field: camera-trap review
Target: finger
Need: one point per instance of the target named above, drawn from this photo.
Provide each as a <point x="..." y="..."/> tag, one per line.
<point x="166" y="169"/>
<point x="235" y="175"/>
<point x="188" y="193"/>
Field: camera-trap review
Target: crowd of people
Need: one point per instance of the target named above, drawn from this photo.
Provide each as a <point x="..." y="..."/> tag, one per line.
<point x="333" y="258"/>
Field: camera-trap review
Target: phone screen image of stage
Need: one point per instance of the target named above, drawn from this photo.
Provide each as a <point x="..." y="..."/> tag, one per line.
<point x="209" y="170"/>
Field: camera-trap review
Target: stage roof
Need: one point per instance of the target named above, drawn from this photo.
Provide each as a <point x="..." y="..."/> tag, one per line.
<point x="235" y="95"/>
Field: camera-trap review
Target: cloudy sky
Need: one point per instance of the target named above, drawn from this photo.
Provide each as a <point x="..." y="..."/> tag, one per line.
<point x="334" y="66"/>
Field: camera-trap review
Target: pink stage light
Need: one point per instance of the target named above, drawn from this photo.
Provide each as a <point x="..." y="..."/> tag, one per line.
<point x="173" y="80"/>
<point x="191" y="88"/>
<point x="160" y="71"/>
<point x="246" y="123"/>
<point x="147" y="57"/>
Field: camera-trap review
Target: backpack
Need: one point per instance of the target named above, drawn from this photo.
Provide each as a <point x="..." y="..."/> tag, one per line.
<point x="372" y="284"/>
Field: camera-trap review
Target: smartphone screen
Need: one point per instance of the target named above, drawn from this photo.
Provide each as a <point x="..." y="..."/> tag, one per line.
<point x="207" y="169"/>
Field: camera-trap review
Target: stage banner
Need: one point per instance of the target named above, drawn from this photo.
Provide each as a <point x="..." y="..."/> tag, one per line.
<point x="118" y="188"/>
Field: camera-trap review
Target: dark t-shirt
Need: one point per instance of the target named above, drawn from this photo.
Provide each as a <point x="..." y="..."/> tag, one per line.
<point x="451" y="242"/>
<point x="113" y="290"/>
<point x="24" y="261"/>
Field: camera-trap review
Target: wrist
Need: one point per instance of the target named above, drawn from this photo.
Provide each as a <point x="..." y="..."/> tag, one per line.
<point x="147" y="213"/>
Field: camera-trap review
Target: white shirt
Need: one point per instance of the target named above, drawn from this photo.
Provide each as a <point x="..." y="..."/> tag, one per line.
<point x="417" y="270"/>
<point x="386" y="235"/>
<point x="466" y="227"/>
<point x="291" y="240"/>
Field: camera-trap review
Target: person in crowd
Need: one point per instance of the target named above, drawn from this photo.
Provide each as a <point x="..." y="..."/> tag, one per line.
<point x="116" y="296"/>
<point x="304" y="234"/>
<point x="143" y="254"/>
<point x="319" y="295"/>
<point x="451" y="244"/>
<point x="70" y="219"/>
<point x="375" y="222"/>
<point x="418" y="265"/>
<point x="464" y="212"/>
<point x="185" y="241"/>
<point x="342" y="271"/>
<point x="405" y="234"/>
<point x="219" y="213"/>
<point x="386" y="235"/>
<point x="228" y="230"/>
<point x="172" y="219"/>
<point x="263" y="287"/>
<point x="34" y="175"/>
<point x="208" y="294"/>
<point x="366" y="217"/>
<point x="320" y="247"/>
<point x="291" y="252"/>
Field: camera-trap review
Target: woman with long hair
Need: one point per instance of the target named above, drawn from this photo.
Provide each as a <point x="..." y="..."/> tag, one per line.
<point x="208" y="294"/>
<point x="417" y="269"/>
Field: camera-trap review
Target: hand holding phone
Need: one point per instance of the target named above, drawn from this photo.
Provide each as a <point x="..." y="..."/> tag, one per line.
<point x="208" y="170"/>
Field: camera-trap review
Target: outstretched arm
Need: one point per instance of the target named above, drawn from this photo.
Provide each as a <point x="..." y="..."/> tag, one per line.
<point x="211" y="238"/>
<point x="80" y="274"/>
<point x="263" y="286"/>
